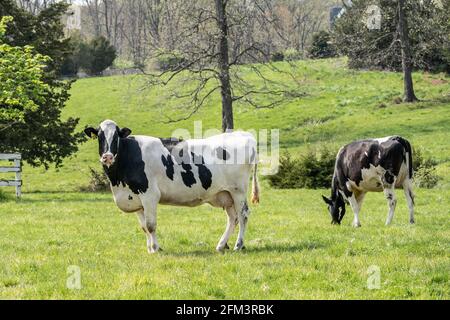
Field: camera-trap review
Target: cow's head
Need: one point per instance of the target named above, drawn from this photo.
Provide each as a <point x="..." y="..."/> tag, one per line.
<point x="109" y="135"/>
<point x="336" y="207"/>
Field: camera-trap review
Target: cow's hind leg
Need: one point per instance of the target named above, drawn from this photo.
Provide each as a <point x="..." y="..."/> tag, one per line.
<point x="231" y="223"/>
<point x="242" y="211"/>
<point x="391" y="200"/>
<point x="409" y="194"/>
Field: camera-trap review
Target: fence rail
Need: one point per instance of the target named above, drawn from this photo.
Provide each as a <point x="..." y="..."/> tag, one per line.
<point x="16" y="168"/>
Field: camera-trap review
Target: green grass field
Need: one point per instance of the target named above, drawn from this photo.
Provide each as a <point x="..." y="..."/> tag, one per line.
<point x="292" y="250"/>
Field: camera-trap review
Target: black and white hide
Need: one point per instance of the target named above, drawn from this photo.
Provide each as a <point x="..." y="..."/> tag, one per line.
<point x="146" y="171"/>
<point x="374" y="165"/>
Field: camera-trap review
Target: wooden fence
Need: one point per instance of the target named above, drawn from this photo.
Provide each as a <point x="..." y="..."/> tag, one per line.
<point x="15" y="158"/>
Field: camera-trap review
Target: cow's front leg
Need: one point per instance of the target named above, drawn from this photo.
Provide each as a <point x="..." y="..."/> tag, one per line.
<point x="355" y="203"/>
<point x="150" y="202"/>
<point x="392" y="202"/>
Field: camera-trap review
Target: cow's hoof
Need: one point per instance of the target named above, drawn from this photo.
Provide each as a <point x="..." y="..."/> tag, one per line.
<point x="153" y="249"/>
<point x="222" y="249"/>
<point x="412" y="221"/>
<point x="239" y="246"/>
<point x="356" y="224"/>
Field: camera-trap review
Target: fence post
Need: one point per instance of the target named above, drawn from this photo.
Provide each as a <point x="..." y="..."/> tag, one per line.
<point x="17" y="164"/>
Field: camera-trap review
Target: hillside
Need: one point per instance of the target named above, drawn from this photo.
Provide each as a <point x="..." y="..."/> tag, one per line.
<point x="338" y="106"/>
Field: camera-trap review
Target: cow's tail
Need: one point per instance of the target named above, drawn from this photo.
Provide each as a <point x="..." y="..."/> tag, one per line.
<point x="255" y="185"/>
<point x="405" y="143"/>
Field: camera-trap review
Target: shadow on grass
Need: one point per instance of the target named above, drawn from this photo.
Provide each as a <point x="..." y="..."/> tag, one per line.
<point x="250" y="249"/>
<point x="55" y="196"/>
<point x="287" y="247"/>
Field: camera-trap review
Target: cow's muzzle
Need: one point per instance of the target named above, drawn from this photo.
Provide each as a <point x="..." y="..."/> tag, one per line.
<point x="107" y="159"/>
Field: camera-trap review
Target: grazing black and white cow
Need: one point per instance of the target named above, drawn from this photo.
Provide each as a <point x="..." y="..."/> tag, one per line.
<point x="145" y="171"/>
<point x="371" y="165"/>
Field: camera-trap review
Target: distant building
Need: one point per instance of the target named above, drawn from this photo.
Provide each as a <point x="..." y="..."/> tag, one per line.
<point x="335" y="13"/>
<point x="73" y="18"/>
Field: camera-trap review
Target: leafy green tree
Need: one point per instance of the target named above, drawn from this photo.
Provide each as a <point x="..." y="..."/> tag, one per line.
<point x="21" y="84"/>
<point x="321" y="46"/>
<point x="93" y="56"/>
<point x="44" y="31"/>
<point x="30" y="106"/>
<point x="97" y="55"/>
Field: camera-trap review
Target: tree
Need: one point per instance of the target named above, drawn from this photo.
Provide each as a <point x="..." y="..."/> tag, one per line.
<point x="321" y="46"/>
<point x="400" y="35"/>
<point x="21" y="82"/>
<point x="99" y="54"/>
<point x="31" y="100"/>
<point x="43" y="30"/>
<point x="209" y="35"/>
<point x="403" y="30"/>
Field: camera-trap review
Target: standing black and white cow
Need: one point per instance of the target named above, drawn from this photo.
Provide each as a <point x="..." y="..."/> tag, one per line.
<point x="371" y="165"/>
<point x="145" y="171"/>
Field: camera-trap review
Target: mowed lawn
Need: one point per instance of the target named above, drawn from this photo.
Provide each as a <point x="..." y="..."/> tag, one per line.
<point x="293" y="252"/>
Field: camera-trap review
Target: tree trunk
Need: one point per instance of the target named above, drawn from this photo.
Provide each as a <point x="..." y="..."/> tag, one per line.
<point x="409" y="95"/>
<point x="224" y="66"/>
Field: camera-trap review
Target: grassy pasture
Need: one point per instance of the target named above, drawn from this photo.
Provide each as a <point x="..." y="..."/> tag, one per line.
<point x="292" y="250"/>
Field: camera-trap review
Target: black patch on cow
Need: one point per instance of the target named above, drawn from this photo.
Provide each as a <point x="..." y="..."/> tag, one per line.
<point x="204" y="173"/>
<point x="389" y="177"/>
<point x="405" y="143"/>
<point x="177" y="148"/>
<point x="245" y="208"/>
<point x="128" y="168"/>
<point x="168" y="163"/>
<point x="188" y="175"/>
<point x="130" y="197"/>
<point x="170" y="143"/>
<point x="222" y="154"/>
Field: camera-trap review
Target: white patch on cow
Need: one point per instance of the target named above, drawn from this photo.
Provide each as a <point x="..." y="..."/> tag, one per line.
<point x="109" y="128"/>
<point x="371" y="180"/>
<point x="367" y="155"/>
<point x="125" y="199"/>
<point x="382" y="140"/>
<point x="403" y="174"/>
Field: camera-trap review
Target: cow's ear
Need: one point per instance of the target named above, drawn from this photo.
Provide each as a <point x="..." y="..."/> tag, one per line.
<point x="326" y="200"/>
<point x="124" y="132"/>
<point x="91" y="132"/>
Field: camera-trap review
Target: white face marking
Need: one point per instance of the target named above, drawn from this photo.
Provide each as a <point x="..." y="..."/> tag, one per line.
<point x="109" y="128"/>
